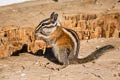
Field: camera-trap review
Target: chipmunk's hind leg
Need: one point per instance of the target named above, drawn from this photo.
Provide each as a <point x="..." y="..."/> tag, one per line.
<point x="62" y="56"/>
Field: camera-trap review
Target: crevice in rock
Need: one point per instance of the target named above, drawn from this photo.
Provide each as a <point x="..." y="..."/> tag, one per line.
<point x="22" y="50"/>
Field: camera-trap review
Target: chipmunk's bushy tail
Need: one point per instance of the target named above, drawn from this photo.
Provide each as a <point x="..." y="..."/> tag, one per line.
<point x="93" y="56"/>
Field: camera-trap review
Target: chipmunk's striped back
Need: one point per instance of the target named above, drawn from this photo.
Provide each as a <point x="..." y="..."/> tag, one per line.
<point x="75" y="38"/>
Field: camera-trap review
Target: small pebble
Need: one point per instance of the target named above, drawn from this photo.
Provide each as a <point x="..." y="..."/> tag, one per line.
<point x="23" y="74"/>
<point x="119" y="74"/>
<point x="97" y="47"/>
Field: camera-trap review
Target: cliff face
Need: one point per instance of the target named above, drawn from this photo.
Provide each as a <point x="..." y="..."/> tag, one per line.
<point x="90" y="26"/>
<point x="15" y="39"/>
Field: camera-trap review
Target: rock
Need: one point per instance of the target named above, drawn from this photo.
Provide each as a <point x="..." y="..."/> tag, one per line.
<point x="94" y="26"/>
<point x="13" y="38"/>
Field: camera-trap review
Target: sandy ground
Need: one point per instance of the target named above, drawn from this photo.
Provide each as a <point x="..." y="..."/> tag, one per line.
<point x="30" y="67"/>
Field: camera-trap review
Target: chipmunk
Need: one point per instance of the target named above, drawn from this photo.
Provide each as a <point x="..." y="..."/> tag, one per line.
<point x="65" y="42"/>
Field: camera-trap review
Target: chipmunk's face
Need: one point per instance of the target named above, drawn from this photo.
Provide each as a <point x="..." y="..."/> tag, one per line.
<point x="47" y="26"/>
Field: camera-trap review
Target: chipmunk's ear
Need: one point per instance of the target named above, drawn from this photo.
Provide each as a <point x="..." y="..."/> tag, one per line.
<point x="53" y="17"/>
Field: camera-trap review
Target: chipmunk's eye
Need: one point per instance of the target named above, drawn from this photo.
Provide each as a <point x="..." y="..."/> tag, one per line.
<point x="43" y="24"/>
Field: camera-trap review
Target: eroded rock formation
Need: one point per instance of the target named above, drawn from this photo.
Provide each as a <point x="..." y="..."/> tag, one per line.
<point x="15" y="39"/>
<point x="91" y="26"/>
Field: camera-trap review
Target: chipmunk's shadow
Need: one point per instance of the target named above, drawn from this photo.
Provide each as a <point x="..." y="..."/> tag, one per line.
<point x="48" y="54"/>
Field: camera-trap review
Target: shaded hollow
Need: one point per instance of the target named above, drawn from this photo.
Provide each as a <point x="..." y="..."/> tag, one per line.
<point x="22" y="50"/>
